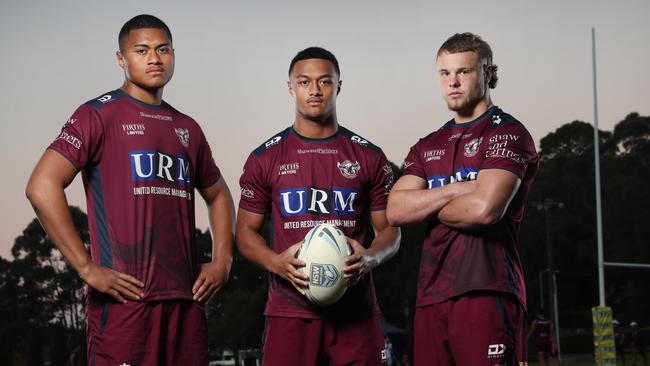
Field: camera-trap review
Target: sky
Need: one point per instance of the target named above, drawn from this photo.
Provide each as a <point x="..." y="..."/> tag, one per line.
<point x="232" y="58"/>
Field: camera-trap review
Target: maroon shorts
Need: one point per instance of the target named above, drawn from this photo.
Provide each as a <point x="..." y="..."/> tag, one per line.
<point x="544" y="347"/>
<point x="171" y="332"/>
<point x="302" y="342"/>
<point x="486" y="328"/>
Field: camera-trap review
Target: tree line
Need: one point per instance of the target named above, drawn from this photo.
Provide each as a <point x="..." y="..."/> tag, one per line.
<point x="42" y="298"/>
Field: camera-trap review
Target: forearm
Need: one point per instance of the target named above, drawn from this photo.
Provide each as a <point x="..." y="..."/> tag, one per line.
<point x="484" y="206"/>
<point x="254" y="248"/>
<point x="51" y="208"/>
<point x="469" y="212"/>
<point x="384" y="246"/>
<point x="415" y="205"/>
<point x="222" y="224"/>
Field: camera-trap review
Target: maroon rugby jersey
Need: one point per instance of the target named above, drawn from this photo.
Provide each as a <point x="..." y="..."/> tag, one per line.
<point x="300" y="182"/>
<point x="454" y="261"/>
<point x="140" y="164"/>
<point x="542" y="332"/>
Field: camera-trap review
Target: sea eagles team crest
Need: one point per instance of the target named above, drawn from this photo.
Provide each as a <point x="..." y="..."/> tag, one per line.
<point x="184" y="135"/>
<point x="349" y="169"/>
<point x="471" y="148"/>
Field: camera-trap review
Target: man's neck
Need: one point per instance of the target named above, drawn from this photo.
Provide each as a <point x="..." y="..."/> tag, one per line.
<point x="316" y="129"/>
<point x="473" y="113"/>
<point x="144" y="95"/>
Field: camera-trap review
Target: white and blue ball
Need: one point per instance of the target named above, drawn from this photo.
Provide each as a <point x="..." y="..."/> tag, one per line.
<point x="323" y="251"/>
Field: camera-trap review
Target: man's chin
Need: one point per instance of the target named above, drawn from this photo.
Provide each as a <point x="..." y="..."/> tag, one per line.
<point x="462" y="107"/>
<point x="316" y="117"/>
<point x="456" y="107"/>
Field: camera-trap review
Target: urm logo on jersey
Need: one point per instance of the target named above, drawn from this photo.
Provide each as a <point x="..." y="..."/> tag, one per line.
<point x="317" y="201"/>
<point x="462" y="175"/>
<point x="150" y="164"/>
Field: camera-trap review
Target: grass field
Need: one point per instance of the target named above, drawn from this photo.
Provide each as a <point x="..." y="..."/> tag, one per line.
<point x="573" y="360"/>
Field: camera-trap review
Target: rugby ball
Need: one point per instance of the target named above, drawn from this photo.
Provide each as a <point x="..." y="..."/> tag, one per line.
<point x="323" y="251"/>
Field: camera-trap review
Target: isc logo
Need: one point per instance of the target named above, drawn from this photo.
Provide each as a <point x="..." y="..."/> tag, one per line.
<point x="302" y="201"/>
<point x="150" y="164"/>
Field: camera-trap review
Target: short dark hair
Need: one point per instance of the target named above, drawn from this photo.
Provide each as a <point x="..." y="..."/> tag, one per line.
<point x="139" y="22"/>
<point x="469" y="42"/>
<point x="315" y="52"/>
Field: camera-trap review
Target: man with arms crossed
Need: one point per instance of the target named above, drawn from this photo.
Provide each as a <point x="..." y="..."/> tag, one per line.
<point x="141" y="161"/>
<point x="314" y="171"/>
<point x="469" y="181"/>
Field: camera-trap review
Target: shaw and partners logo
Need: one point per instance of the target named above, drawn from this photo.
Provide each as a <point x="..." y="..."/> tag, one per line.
<point x="462" y="175"/>
<point x="303" y="201"/>
<point x="150" y="164"/>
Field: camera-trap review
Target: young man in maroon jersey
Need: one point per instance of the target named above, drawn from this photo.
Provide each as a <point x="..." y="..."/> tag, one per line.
<point x="141" y="161"/>
<point x="542" y="329"/>
<point x="314" y="171"/>
<point x="468" y="181"/>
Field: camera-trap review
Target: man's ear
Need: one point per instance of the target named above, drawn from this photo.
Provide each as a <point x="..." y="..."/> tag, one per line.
<point x="487" y="70"/>
<point x="120" y="59"/>
<point x="290" y="89"/>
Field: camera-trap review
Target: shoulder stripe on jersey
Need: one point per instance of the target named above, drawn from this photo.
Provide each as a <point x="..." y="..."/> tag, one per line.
<point x="448" y="124"/>
<point x="355" y="138"/>
<point x="106" y="98"/>
<point x="501" y="118"/>
<point x="276" y="139"/>
<point x="105" y="253"/>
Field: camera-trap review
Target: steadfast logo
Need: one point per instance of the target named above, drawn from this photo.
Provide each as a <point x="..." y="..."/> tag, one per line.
<point x="274" y="141"/>
<point x="359" y="140"/>
<point x="496" y="350"/>
<point x="149" y="164"/>
<point x="303" y="201"/>
<point x="462" y="175"/>
<point x="105" y="98"/>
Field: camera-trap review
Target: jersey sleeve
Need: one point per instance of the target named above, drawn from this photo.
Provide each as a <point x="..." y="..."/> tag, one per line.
<point x="413" y="163"/>
<point x="80" y="140"/>
<point x="381" y="182"/>
<point x="510" y="148"/>
<point x="255" y="190"/>
<point x="207" y="172"/>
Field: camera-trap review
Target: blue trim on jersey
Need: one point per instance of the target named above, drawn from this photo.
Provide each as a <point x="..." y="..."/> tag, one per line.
<point x="310" y="139"/>
<point x="105" y="253"/>
<point x="271" y="228"/>
<point x="146" y="105"/>
<point x="266" y="326"/>
<point x="275" y="140"/>
<point x="117" y="94"/>
<point x="103" y="319"/>
<point x="511" y="273"/>
<point x="105" y="98"/>
<point x="500" y="118"/>
<point x="502" y="312"/>
<point x="358" y="139"/>
<point x="492" y="110"/>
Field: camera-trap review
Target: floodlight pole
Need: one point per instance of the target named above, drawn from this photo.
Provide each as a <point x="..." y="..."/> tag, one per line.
<point x="546" y="205"/>
<point x="599" y="219"/>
